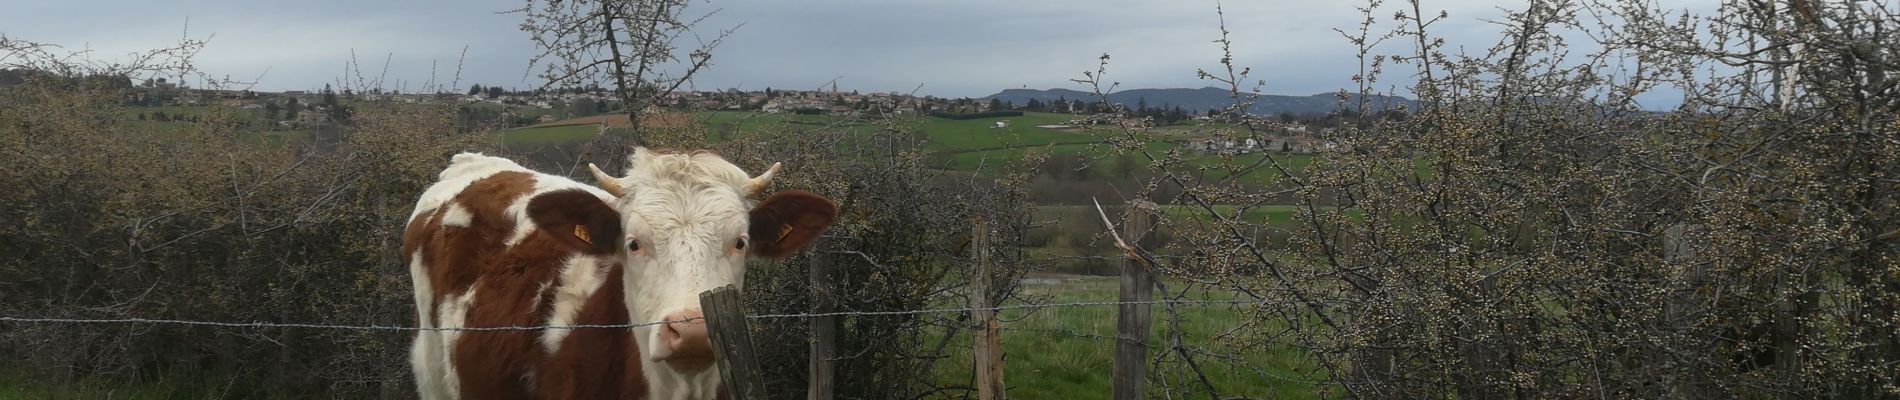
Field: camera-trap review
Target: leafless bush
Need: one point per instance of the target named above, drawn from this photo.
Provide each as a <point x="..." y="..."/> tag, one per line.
<point x="1529" y="232"/>
<point x="116" y="218"/>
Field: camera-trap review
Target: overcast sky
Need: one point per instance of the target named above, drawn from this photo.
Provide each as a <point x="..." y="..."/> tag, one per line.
<point x="950" y="48"/>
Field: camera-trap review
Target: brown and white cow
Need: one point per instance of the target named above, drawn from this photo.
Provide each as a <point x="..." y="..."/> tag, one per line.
<point x="493" y="244"/>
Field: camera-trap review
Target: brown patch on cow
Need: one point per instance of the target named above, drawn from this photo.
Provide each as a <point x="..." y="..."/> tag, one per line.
<point x="789" y="220"/>
<point x="578" y="220"/>
<point x="418" y="232"/>
<point x="596" y="363"/>
<point x="453" y="256"/>
<point x="462" y="252"/>
<point x="493" y="363"/>
<point x="418" y="238"/>
<point x="513" y="285"/>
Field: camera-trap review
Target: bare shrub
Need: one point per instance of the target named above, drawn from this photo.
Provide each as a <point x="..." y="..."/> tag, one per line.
<point x="113" y="217"/>
<point x="1529" y="232"/>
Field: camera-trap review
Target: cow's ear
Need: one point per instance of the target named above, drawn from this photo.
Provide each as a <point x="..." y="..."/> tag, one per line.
<point x="788" y="221"/>
<point x="577" y="219"/>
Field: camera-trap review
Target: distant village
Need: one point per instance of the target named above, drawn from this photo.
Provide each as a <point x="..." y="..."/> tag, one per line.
<point x="518" y="108"/>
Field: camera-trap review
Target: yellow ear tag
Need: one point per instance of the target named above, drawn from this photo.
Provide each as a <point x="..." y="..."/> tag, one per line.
<point x="782" y="233"/>
<point x="581" y="232"/>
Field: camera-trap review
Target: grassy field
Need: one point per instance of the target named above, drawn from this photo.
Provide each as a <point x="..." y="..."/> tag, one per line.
<point x="132" y="112"/>
<point x="955" y="135"/>
<point x="959" y="144"/>
<point x="1068" y="353"/>
<point x="966" y="145"/>
<point x="261" y="132"/>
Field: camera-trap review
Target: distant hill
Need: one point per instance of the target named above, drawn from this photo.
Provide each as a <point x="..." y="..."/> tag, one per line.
<point x="1199" y="100"/>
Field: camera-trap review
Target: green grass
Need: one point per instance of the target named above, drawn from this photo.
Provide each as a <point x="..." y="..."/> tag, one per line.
<point x="988" y="160"/>
<point x="254" y="117"/>
<point x="272" y="138"/>
<point x="259" y="130"/>
<point x="1068" y="353"/>
<point x="1217" y="165"/>
<point x="970" y="134"/>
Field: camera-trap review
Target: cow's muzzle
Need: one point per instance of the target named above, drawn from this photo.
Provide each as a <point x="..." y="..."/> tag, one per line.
<point x="688" y="348"/>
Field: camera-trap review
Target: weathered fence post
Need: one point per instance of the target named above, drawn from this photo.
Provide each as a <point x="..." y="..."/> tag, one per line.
<point x="732" y="343"/>
<point x="824" y="328"/>
<point x="1133" y="321"/>
<point x="985" y="349"/>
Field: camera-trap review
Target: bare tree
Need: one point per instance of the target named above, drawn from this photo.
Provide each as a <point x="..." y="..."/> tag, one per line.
<point x="630" y="45"/>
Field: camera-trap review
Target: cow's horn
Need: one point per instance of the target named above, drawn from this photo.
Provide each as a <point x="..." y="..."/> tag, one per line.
<point x="607" y="182"/>
<point x="757" y="184"/>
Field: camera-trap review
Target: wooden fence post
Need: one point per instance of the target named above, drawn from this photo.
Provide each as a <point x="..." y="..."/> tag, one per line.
<point x="824" y="329"/>
<point x="1133" y="321"/>
<point x="732" y="343"/>
<point x="985" y="349"/>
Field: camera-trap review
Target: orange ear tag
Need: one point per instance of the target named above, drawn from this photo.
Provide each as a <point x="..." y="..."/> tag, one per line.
<point x="581" y="233"/>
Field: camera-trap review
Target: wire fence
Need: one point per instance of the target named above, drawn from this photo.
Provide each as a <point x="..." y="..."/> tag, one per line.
<point x="161" y="321"/>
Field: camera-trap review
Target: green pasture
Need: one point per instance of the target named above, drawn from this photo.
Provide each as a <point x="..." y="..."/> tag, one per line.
<point x="1069" y="353"/>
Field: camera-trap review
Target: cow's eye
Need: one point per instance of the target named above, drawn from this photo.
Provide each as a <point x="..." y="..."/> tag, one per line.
<point x="739" y="245"/>
<point x="633" y="245"/>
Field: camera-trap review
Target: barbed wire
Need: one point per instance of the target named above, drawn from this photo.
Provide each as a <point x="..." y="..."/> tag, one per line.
<point x="159" y="321"/>
<point x="1001" y="308"/>
<point x="258" y="324"/>
<point x="1067" y="333"/>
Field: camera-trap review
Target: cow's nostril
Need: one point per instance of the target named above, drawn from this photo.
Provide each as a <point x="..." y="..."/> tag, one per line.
<point x="668" y="332"/>
<point x="688" y="346"/>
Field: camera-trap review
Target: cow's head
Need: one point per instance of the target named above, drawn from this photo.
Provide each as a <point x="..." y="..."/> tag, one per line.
<point x="690" y="221"/>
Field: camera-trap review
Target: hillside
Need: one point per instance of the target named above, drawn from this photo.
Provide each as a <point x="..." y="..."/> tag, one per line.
<point x="1196" y="100"/>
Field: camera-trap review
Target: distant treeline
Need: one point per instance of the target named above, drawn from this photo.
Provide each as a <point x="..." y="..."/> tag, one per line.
<point x="16" y="76"/>
<point x="986" y="114"/>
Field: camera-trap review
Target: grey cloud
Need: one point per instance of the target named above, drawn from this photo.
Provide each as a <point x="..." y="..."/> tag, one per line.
<point x="968" y="48"/>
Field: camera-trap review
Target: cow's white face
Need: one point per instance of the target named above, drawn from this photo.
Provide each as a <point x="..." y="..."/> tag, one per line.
<point x="689" y="223"/>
